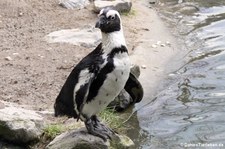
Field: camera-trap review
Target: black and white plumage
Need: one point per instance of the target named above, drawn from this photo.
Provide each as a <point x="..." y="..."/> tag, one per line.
<point x="98" y="78"/>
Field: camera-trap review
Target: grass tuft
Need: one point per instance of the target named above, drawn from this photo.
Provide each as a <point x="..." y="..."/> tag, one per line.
<point x="132" y="12"/>
<point x="51" y="131"/>
<point x="112" y="119"/>
<point x="108" y="116"/>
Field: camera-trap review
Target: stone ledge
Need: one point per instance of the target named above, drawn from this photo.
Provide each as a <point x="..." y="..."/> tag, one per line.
<point x="79" y="139"/>
<point x="119" y="5"/>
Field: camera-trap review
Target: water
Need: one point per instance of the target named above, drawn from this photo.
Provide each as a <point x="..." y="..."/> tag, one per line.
<point x="190" y="111"/>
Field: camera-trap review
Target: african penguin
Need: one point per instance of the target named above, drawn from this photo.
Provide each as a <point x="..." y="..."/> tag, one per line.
<point x="98" y="78"/>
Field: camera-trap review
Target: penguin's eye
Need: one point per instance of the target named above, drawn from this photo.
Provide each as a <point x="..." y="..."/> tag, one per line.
<point x="112" y="17"/>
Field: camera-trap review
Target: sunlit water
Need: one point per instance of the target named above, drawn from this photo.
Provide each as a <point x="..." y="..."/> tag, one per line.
<point x="191" y="109"/>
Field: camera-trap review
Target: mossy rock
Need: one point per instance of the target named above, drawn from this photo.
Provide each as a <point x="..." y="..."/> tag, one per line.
<point x="121" y="142"/>
<point x="81" y="139"/>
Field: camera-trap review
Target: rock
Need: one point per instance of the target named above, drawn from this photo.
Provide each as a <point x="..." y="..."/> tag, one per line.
<point x="159" y="42"/>
<point x="143" y="66"/>
<point x="88" y="36"/>
<point x="152" y="2"/>
<point x="154" y="46"/>
<point x="119" y="5"/>
<point x="77" y="139"/>
<point x="15" y="54"/>
<point x="4" y="145"/>
<point x="20" y="14"/>
<point x="74" y="4"/>
<point x="8" y="58"/>
<point x="168" y="43"/>
<point x="122" y="142"/>
<point x="81" y="139"/>
<point x="188" y="9"/>
<point x="121" y="102"/>
<point x="180" y="1"/>
<point x="2" y="105"/>
<point x="19" y="125"/>
<point x="163" y="45"/>
<point x="180" y="17"/>
<point x="135" y="70"/>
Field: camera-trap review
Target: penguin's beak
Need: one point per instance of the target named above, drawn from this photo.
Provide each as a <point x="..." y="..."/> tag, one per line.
<point x="101" y="21"/>
<point x="97" y="25"/>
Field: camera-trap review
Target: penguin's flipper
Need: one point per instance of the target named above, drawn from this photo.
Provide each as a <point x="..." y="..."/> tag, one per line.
<point x="134" y="88"/>
<point x="74" y="92"/>
<point x="81" y="94"/>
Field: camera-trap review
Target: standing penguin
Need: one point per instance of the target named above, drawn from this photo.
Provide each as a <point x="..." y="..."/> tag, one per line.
<point x="98" y="78"/>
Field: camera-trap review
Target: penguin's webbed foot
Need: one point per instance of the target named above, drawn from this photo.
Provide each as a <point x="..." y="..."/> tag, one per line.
<point x="96" y="128"/>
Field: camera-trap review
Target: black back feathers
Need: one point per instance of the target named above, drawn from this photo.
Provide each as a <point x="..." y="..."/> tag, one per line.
<point x="64" y="104"/>
<point x="134" y="88"/>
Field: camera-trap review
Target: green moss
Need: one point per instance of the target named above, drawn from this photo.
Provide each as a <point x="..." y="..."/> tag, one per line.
<point x="132" y="12"/>
<point x="109" y="117"/>
<point x="121" y="142"/>
<point x="54" y="129"/>
<point x="51" y="131"/>
<point x="112" y="119"/>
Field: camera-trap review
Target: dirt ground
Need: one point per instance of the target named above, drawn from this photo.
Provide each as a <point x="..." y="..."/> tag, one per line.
<point x="32" y="70"/>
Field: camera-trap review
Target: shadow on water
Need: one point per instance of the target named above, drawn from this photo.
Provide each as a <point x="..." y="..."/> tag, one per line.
<point x="190" y="111"/>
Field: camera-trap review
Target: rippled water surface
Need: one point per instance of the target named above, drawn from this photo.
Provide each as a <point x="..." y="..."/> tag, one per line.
<point x="191" y="110"/>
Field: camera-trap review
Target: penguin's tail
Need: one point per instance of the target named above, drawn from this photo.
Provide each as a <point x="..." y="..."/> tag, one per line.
<point x="64" y="106"/>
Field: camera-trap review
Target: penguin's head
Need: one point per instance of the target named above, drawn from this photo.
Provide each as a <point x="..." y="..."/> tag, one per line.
<point x="109" y="20"/>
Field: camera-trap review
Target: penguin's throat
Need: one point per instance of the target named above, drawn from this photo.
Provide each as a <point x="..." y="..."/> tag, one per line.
<point x="113" y="40"/>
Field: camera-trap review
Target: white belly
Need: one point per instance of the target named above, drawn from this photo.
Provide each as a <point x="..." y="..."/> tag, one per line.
<point x="111" y="87"/>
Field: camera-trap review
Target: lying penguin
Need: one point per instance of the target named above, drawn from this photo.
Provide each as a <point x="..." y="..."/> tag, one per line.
<point x="99" y="77"/>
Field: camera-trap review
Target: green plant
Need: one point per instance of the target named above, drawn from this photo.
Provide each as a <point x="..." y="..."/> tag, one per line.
<point x="132" y="12"/>
<point x="111" y="118"/>
<point x="52" y="130"/>
<point x="107" y="116"/>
